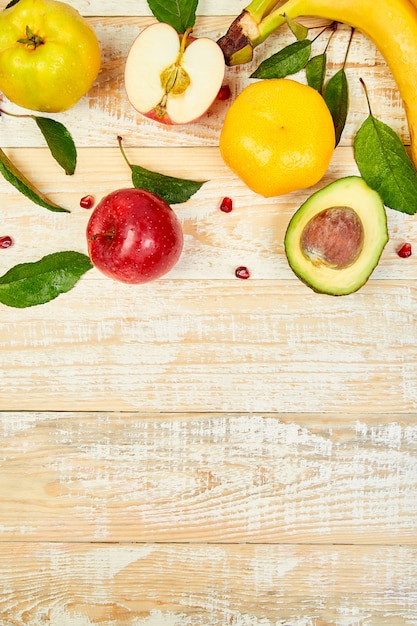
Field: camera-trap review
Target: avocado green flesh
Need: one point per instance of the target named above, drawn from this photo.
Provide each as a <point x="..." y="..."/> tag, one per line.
<point x="351" y="191"/>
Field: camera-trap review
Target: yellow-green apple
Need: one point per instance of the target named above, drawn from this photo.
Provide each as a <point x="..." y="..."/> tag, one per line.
<point x="173" y="78"/>
<point x="49" y="55"/>
<point x="134" y="236"/>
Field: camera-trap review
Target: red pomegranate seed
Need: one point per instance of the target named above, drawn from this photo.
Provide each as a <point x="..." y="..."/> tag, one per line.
<point x="226" y="205"/>
<point x="6" y="241"/>
<point x="224" y="93"/>
<point x="242" y="272"/>
<point x="87" y="202"/>
<point x="404" y="250"/>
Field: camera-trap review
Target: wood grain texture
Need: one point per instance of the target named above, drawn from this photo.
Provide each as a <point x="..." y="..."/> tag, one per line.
<point x="106" y="106"/>
<point x="200" y="585"/>
<point x="141" y="7"/>
<point x="263" y="478"/>
<point x="215" y="242"/>
<point x="185" y="346"/>
<point x="212" y="342"/>
<point x="204" y="451"/>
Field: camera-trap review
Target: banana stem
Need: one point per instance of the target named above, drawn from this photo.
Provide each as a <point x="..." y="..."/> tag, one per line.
<point x="256" y="22"/>
<point x="259" y="8"/>
<point x="276" y="18"/>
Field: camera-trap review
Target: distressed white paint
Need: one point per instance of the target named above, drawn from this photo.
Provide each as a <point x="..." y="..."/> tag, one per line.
<point x="59" y="616"/>
<point x="247" y="346"/>
<point x="103" y="563"/>
<point x="141" y="7"/>
<point x="247" y="477"/>
<point x="173" y="585"/>
<point x="341" y="474"/>
<point x="106" y="105"/>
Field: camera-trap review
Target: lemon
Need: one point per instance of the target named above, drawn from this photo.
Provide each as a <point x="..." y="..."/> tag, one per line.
<point x="278" y="136"/>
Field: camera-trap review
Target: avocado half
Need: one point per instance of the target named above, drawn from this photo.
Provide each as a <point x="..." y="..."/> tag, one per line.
<point x="335" y="239"/>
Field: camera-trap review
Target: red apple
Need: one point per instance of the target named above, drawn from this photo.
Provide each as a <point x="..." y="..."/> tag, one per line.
<point x="173" y="78"/>
<point x="134" y="236"/>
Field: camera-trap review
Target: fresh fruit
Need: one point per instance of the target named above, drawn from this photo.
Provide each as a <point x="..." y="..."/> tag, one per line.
<point x="405" y="250"/>
<point x="173" y="78"/>
<point x="49" y="55"/>
<point x="6" y="241"/>
<point x="87" y="202"/>
<point x="335" y="239"/>
<point x="134" y="236"/>
<point x="287" y="145"/>
<point x="242" y="272"/>
<point x="226" y="205"/>
<point x="392" y="28"/>
<point x="224" y="93"/>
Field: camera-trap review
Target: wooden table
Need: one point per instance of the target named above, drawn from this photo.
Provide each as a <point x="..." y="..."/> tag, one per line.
<point x="204" y="450"/>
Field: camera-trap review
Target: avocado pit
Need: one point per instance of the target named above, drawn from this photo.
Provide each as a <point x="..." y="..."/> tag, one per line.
<point x="333" y="237"/>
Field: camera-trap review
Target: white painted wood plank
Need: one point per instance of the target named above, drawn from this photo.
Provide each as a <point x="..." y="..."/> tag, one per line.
<point x="105" y="112"/>
<point x="198" y="585"/>
<point x="198" y="346"/>
<point x="141" y="7"/>
<point x="263" y="478"/>
<point x="342" y="471"/>
<point x="215" y="243"/>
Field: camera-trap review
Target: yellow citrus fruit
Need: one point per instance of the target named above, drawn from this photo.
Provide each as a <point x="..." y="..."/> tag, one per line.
<point x="278" y="136"/>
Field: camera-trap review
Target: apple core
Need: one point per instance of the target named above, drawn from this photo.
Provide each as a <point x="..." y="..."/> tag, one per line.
<point x="173" y="78"/>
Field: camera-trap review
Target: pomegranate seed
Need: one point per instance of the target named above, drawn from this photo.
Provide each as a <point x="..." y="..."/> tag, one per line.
<point x="6" y="241"/>
<point x="224" y="93"/>
<point x="226" y="205"/>
<point x="404" y="250"/>
<point x="87" y="202"/>
<point x="242" y="272"/>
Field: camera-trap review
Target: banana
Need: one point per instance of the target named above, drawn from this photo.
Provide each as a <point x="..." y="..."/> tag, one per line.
<point x="390" y="24"/>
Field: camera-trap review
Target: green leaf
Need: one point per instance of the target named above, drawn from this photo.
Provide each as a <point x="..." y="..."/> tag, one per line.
<point x="30" y="284"/>
<point x="316" y="71"/>
<point x="180" y="14"/>
<point x="336" y="97"/>
<point x="289" y="60"/>
<point x="22" y="184"/>
<point x="385" y="165"/>
<point x="59" y="141"/>
<point x="297" y="29"/>
<point x="172" y="190"/>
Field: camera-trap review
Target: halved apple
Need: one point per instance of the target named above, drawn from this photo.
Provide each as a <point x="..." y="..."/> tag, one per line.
<point x="173" y="78"/>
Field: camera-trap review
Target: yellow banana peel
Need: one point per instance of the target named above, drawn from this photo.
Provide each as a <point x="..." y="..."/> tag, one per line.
<point x="390" y="24"/>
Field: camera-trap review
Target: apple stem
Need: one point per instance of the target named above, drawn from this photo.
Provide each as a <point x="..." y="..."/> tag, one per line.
<point x="120" y="139"/>
<point x="109" y="234"/>
<point x="174" y="78"/>
<point x="184" y="43"/>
